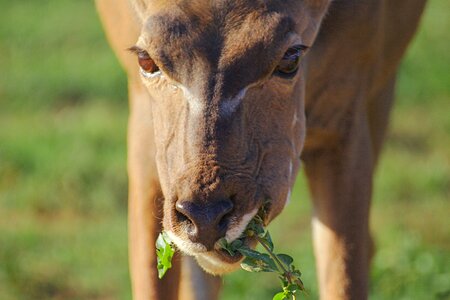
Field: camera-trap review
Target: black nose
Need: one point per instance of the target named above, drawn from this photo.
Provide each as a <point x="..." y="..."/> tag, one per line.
<point x="207" y="221"/>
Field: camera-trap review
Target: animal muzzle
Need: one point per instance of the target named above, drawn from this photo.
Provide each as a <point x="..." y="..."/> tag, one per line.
<point x="204" y="211"/>
<point x="204" y="223"/>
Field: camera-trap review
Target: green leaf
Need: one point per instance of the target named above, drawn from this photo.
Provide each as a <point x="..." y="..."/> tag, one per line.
<point x="223" y="243"/>
<point x="251" y="265"/>
<point x="293" y="288"/>
<point x="161" y="240"/>
<point x="250" y="253"/>
<point x="164" y="254"/>
<point x="236" y="244"/>
<point x="279" y="296"/>
<point x="256" y="226"/>
<point x="256" y="265"/>
<point x="259" y="231"/>
<point x="286" y="259"/>
<point x="267" y="240"/>
<point x="270" y="263"/>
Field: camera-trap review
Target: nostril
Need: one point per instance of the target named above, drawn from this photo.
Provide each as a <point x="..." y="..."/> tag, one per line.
<point x="181" y="217"/>
<point x="182" y="213"/>
<point x="225" y="206"/>
<point x="223" y="223"/>
<point x="222" y="219"/>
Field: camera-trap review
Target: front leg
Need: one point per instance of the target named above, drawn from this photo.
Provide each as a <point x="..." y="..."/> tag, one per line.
<point x="340" y="179"/>
<point x="196" y="284"/>
<point x="145" y="205"/>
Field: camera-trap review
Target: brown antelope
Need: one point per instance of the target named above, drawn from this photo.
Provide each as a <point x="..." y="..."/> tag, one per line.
<point x="225" y="98"/>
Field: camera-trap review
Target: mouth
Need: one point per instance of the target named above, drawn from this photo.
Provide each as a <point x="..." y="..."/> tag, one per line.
<point x="227" y="257"/>
<point x="220" y="261"/>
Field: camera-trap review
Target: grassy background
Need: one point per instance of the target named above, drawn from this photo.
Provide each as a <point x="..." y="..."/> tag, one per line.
<point x="63" y="186"/>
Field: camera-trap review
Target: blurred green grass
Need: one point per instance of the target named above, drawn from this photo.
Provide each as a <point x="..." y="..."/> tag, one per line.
<point x="63" y="177"/>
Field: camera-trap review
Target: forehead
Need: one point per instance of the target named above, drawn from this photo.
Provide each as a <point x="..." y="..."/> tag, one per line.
<point x="175" y="18"/>
<point x="217" y="35"/>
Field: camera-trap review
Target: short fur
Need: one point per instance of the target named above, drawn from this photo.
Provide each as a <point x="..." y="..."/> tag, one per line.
<point x="187" y="146"/>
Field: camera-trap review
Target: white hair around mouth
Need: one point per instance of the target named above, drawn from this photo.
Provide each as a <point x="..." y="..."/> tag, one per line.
<point x="211" y="264"/>
<point x="235" y="231"/>
<point x="187" y="247"/>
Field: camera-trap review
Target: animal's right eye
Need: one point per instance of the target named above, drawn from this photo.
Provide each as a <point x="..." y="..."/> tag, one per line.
<point x="147" y="64"/>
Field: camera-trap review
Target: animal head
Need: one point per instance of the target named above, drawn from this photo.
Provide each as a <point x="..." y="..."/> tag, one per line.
<point x="226" y="81"/>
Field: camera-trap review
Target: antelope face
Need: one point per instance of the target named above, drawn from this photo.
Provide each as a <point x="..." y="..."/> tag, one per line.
<point x="226" y="80"/>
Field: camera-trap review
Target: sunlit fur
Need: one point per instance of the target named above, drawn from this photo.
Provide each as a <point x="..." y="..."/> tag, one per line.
<point x="190" y="144"/>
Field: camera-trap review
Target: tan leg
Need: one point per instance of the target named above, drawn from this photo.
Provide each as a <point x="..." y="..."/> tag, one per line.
<point x="145" y="205"/>
<point x="145" y="199"/>
<point x="340" y="181"/>
<point x="196" y="284"/>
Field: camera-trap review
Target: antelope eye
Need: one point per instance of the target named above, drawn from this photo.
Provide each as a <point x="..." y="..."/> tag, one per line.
<point x="146" y="62"/>
<point x="288" y="65"/>
<point x="148" y="67"/>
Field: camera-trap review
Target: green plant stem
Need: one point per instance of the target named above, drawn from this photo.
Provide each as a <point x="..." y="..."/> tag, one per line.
<point x="275" y="258"/>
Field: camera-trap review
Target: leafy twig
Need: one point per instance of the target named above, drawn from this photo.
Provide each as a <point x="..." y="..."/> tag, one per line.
<point x="267" y="262"/>
<point x="254" y="261"/>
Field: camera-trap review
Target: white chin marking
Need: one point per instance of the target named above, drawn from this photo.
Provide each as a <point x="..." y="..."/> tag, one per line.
<point x="186" y="246"/>
<point x="236" y="231"/>
<point x="215" y="266"/>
